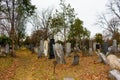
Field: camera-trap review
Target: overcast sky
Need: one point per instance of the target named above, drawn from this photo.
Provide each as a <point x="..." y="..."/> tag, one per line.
<point x="86" y="10"/>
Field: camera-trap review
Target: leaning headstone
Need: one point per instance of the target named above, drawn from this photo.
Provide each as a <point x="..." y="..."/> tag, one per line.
<point x="59" y="53"/>
<point x="68" y="49"/>
<point x="46" y="47"/>
<point x="57" y="59"/>
<point x="103" y="58"/>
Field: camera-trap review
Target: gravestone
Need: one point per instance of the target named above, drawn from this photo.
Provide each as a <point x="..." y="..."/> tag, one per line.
<point x="94" y="46"/>
<point x="59" y="53"/>
<point x="68" y="49"/>
<point x="90" y="47"/>
<point x="46" y="47"/>
<point x="119" y="48"/>
<point x="41" y="48"/>
<point x="7" y="48"/>
<point x="36" y="50"/>
<point x="105" y="47"/>
<point x="75" y="58"/>
<point x="51" y="50"/>
<point x="103" y="58"/>
<point x="114" y="47"/>
<point x="113" y="61"/>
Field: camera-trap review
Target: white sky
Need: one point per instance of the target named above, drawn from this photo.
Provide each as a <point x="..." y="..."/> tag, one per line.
<point x="86" y="10"/>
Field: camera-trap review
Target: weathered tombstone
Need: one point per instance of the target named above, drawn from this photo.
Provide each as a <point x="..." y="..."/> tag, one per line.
<point x="75" y="58"/>
<point x="45" y="47"/>
<point x="59" y="53"/>
<point x="51" y="51"/>
<point x="41" y="48"/>
<point x="114" y="47"/>
<point x="7" y="48"/>
<point x="68" y="49"/>
<point x="113" y="61"/>
<point x="94" y="46"/>
<point x="90" y="48"/>
<point x="57" y="59"/>
<point x="36" y="50"/>
<point x="105" y="47"/>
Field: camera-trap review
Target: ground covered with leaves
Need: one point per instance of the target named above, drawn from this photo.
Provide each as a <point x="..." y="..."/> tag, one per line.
<point x="26" y="66"/>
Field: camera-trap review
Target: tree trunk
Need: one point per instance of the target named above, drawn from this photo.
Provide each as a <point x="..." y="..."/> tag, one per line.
<point x="64" y="39"/>
<point x="13" y="30"/>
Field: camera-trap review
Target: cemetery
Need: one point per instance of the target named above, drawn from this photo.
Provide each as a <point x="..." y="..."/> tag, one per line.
<point x="59" y="45"/>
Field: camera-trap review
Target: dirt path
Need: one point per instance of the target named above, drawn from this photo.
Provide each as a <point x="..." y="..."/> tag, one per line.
<point x="25" y="63"/>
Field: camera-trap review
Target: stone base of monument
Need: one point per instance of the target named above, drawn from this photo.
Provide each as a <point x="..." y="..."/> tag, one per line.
<point x="114" y="74"/>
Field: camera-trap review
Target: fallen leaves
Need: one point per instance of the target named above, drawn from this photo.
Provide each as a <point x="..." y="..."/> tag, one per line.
<point x="28" y="67"/>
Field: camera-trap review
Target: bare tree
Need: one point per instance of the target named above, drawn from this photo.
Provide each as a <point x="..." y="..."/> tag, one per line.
<point x="114" y="6"/>
<point x="110" y="25"/>
<point x="42" y="21"/>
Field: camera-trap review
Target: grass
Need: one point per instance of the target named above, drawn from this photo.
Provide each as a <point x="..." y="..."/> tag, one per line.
<point x="29" y="67"/>
<point x="5" y="62"/>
